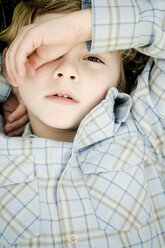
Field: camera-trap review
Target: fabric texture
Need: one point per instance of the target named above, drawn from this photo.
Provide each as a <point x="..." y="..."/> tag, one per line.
<point x="107" y="189"/>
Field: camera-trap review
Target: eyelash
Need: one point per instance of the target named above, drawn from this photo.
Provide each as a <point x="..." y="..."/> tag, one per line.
<point x="94" y="59"/>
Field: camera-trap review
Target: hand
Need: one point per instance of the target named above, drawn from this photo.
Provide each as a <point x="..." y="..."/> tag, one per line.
<point x="15" y="114"/>
<point x="45" y="40"/>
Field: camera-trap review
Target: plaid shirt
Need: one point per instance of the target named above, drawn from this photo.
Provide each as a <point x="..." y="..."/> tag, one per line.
<point x="107" y="188"/>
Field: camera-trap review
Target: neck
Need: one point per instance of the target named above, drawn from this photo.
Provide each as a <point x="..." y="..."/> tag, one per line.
<point x="41" y="130"/>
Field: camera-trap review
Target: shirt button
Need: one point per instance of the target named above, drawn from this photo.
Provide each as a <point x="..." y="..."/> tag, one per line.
<point x="72" y="239"/>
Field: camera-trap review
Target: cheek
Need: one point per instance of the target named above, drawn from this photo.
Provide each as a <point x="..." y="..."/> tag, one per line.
<point x="97" y="86"/>
<point x="95" y="92"/>
<point x="27" y="93"/>
<point x="103" y="78"/>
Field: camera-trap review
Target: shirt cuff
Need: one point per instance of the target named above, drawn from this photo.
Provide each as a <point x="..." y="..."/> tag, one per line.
<point x="120" y="25"/>
<point x="86" y="4"/>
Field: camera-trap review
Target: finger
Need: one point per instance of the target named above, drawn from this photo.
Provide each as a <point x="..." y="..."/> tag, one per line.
<point x="9" y="127"/>
<point x="51" y="52"/>
<point x="10" y="63"/>
<point x="33" y="39"/>
<point x="10" y="81"/>
<point x="17" y="132"/>
<point x="11" y="57"/>
<point x="9" y="74"/>
<point x="30" y="70"/>
<point x="6" y="116"/>
<point x="35" y="60"/>
<point x="26" y="47"/>
<point x="20" y="111"/>
<point x="45" y="54"/>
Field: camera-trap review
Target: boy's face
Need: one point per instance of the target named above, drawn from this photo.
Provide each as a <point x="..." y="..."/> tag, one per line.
<point x="63" y="91"/>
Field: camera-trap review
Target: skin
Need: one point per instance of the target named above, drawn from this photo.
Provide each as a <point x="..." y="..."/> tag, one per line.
<point x="35" y="45"/>
<point x="84" y="77"/>
<point x="15" y="114"/>
<point x="40" y="40"/>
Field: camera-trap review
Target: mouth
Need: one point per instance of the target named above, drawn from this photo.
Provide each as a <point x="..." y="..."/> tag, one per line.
<point x="62" y="97"/>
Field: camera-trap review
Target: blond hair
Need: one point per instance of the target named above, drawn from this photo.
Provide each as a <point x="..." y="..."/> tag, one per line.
<point x="25" y="13"/>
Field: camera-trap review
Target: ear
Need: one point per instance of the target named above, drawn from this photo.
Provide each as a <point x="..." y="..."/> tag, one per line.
<point x="4" y="53"/>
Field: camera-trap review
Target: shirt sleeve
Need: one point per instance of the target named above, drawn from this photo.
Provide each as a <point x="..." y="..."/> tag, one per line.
<point x="119" y="24"/>
<point x="86" y="4"/>
<point x="5" y="88"/>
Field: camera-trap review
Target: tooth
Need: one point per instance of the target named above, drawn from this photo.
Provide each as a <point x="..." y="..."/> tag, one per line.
<point x="65" y="96"/>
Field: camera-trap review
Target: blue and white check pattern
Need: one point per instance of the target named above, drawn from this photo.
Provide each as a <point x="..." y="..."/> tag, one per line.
<point x="107" y="189"/>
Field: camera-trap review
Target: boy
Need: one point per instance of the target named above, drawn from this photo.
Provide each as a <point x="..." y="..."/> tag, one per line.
<point x="94" y="174"/>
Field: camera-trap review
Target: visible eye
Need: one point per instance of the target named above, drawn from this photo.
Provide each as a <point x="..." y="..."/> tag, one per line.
<point x="94" y="59"/>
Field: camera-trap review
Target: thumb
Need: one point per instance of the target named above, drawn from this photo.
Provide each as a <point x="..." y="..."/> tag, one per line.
<point x="45" y="54"/>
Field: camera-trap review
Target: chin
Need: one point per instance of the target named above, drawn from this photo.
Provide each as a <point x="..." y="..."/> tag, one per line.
<point x="63" y="125"/>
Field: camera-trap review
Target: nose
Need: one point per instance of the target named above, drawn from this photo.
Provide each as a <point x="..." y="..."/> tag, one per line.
<point x="66" y="69"/>
<point x="60" y="75"/>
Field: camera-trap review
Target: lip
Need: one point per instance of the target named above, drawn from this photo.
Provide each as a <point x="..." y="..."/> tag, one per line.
<point x="59" y="96"/>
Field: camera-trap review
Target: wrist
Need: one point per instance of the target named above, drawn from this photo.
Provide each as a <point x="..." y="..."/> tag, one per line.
<point x="84" y="25"/>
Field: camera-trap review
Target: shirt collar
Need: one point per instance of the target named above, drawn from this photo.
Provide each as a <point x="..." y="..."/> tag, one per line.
<point x="28" y="132"/>
<point x="104" y="120"/>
